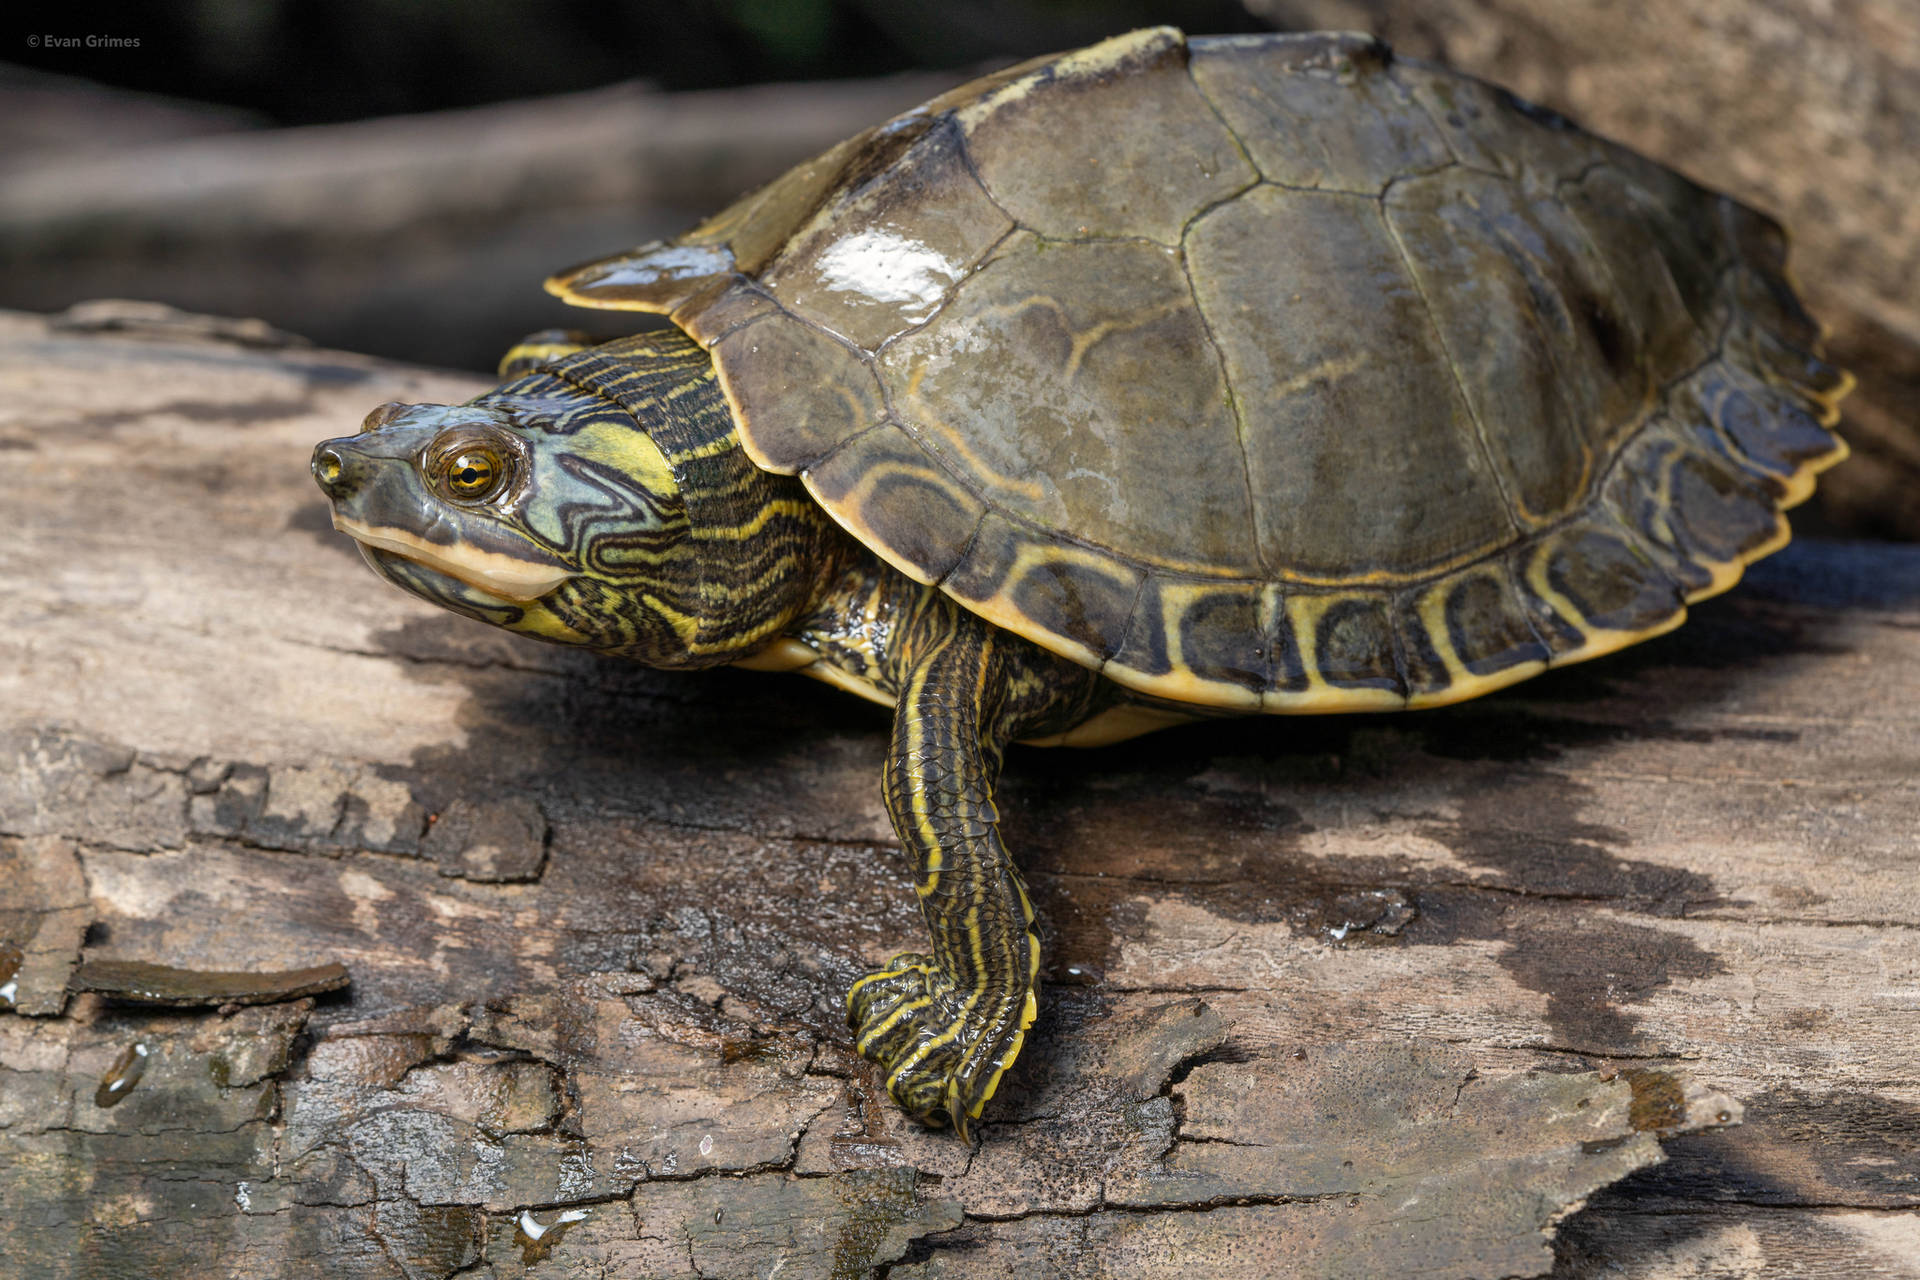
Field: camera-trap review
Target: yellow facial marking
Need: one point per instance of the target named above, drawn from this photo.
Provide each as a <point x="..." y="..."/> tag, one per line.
<point x="497" y="574"/>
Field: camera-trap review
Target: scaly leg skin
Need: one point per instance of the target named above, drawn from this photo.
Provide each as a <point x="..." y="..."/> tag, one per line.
<point x="945" y="1026"/>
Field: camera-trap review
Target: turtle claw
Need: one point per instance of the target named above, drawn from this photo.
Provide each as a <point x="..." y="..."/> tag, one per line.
<point x="942" y="1059"/>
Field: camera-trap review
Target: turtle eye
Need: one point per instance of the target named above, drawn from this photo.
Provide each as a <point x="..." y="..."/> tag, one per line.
<point x="474" y="473"/>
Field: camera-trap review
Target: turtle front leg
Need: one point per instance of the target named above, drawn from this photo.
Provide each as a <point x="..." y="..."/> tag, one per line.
<point x="944" y="1026"/>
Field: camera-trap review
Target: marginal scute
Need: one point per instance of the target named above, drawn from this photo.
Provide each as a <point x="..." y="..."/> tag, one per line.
<point x="1034" y="583"/>
<point x="1219" y="634"/>
<point x="1589" y="588"/>
<point x="774" y="364"/>
<point x="655" y="277"/>
<point x="1802" y="375"/>
<point x="1465" y="634"/>
<point x="1195" y="629"/>
<point x="890" y="493"/>
<point x="1771" y="430"/>
<point x="1695" y="499"/>
<point x="1046" y="147"/>
<point x="883" y="259"/>
<point x="1351" y="639"/>
<point x="1639" y="495"/>
<point x="1318" y="110"/>
<point x="1485" y="624"/>
<point x="1719" y="516"/>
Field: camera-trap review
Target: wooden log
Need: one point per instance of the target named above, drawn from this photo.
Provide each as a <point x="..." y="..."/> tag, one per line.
<point x="1352" y="996"/>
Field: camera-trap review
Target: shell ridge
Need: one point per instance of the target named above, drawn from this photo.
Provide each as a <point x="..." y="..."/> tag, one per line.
<point x="972" y="166"/>
<point x="1234" y="402"/>
<point x="1240" y="143"/>
<point x="1484" y="446"/>
<point x="1419" y="100"/>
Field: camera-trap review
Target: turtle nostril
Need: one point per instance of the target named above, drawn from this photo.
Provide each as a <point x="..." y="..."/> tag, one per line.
<point x="328" y="470"/>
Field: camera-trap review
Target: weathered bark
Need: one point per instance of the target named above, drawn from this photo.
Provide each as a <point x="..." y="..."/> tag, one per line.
<point x="1808" y="109"/>
<point x="1377" y="993"/>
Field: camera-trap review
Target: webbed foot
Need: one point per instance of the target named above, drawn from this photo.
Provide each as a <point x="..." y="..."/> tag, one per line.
<point x="943" y="1049"/>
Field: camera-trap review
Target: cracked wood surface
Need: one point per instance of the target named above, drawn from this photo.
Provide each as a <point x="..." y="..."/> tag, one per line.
<point x="1345" y="996"/>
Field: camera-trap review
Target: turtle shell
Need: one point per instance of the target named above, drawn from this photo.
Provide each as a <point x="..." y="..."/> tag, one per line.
<point x="1265" y="372"/>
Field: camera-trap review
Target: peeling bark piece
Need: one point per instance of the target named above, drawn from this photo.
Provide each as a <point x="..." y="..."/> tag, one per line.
<point x="494" y="841"/>
<point x="142" y="983"/>
<point x="56" y="783"/>
<point x="326" y="808"/>
<point x="381" y="814"/>
<point x="366" y="1061"/>
<point x="43" y="921"/>
<point x="301" y="809"/>
<point x="226" y="806"/>
<point x="435" y="1027"/>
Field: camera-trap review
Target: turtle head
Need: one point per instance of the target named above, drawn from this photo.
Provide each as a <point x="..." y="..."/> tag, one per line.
<point x="549" y="506"/>
<point x="531" y="512"/>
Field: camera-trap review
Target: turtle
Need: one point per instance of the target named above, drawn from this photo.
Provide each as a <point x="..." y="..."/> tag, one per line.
<point x="1165" y="379"/>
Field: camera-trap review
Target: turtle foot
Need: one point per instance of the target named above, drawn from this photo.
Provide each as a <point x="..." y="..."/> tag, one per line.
<point x="942" y="1059"/>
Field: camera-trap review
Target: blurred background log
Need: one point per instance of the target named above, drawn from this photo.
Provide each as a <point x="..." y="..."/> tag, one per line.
<point x="422" y="237"/>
